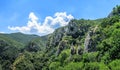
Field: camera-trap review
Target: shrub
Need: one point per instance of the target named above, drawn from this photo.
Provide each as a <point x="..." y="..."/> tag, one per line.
<point x="74" y="66"/>
<point x="54" y="65"/>
<point x="115" y="65"/>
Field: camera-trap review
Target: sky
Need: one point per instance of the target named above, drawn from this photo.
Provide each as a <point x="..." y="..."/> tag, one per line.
<point x="42" y="17"/>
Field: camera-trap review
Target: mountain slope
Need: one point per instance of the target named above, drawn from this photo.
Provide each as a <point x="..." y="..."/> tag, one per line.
<point x="74" y="33"/>
<point x="22" y="38"/>
<point x="15" y="44"/>
<point x="11" y="41"/>
<point x="86" y="44"/>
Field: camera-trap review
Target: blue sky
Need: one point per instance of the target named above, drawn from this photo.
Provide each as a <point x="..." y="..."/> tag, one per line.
<point x="44" y="16"/>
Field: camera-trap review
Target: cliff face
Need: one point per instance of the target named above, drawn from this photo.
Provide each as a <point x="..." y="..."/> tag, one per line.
<point x="76" y="33"/>
<point x="90" y="43"/>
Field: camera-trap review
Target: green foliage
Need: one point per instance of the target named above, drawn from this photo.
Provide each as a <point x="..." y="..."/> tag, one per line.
<point x="115" y="65"/>
<point x="110" y="21"/>
<point x="30" y="61"/>
<point x="23" y="62"/>
<point x="105" y="58"/>
<point x="11" y="42"/>
<point x="32" y="47"/>
<point x="95" y="66"/>
<point x="68" y="39"/>
<point x="54" y="66"/>
<point x="40" y="42"/>
<point x="76" y="58"/>
<point x="0" y="67"/>
<point x="74" y="66"/>
<point x="115" y="51"/>
<point x="110" y="43"/>
<point x="8" y="53"/>
<point x="91" y="66"/>
<point x="116" y="11"/>
<point x="64" y="55"/>
<point x="6" y="65"/>
<point x="22" y="38"/>
<point x="90" y="57"/>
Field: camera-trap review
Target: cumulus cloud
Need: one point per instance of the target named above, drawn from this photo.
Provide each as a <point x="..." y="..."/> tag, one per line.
<point x="61" y="18"/>
<point x="47" y="27"/>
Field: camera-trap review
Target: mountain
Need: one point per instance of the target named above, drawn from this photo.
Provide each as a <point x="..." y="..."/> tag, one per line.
<point x="10" y="41"/>
<point x="86" y="44"/>
<point x="22" y="38"/>
<point x="14" y="44"/>
<point x="74" y="33"/>
<point x="81" y="45"/>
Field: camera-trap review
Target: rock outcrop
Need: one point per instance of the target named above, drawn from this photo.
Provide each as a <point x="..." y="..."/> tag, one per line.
<point x="74" y="31"/>
<point x="88" y="42"/>
<point x="73" y="50"/>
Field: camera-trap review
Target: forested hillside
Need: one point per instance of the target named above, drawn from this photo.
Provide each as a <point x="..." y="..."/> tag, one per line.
<point x="81" y="45"/>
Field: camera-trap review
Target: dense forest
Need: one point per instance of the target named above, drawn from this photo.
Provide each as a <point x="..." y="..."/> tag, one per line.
<point x="81" y="45"/>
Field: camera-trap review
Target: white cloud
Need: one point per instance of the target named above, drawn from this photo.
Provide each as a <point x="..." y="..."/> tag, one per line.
<point x="33" y="17"/>
<point x="2" y="32"/>
<point x="48" y="26"/>
<point x="61" y="18"/>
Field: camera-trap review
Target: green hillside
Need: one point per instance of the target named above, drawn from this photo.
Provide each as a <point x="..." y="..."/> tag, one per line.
<point x="22" y="38"/>
<point x="81" y="45"/>
<point x="12" y="45"/>
<point x="11" y="41"/>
